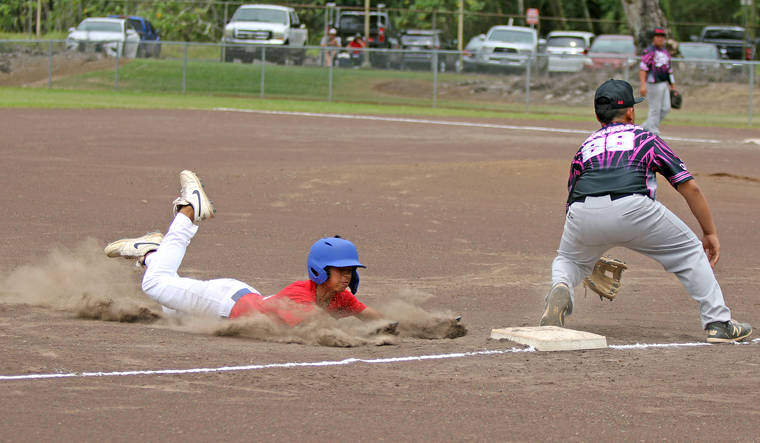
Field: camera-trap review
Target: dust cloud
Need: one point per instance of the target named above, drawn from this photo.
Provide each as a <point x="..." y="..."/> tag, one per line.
<point x="83" y="281"/>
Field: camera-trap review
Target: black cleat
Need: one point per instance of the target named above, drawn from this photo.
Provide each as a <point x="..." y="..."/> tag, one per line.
<point x="727" y="331"/>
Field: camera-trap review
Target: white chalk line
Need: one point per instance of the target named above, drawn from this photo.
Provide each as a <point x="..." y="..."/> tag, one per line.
<point x="442" y="123"/>
<point x="347" y="361"/>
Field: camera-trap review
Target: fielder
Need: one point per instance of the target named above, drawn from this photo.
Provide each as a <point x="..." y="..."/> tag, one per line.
<point x="611" y="202"/>
<point x="332" y="267"/>
<point x="656" y="80"/>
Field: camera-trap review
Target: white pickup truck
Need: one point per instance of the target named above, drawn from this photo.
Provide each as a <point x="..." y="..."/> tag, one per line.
<point x="253" y="26"/>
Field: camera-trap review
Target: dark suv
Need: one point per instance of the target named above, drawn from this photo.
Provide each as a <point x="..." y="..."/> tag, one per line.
<point x="149" y="38"/>
<point x="381" y="34"/>
<point x="418" y="46"/>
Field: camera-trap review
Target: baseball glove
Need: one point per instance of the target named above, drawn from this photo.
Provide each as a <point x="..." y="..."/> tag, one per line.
<point x="676" y="99"/>
<point x="605" y="278"/>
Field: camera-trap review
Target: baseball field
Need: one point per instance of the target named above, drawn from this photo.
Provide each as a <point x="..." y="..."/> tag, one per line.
<point x="453" y="215"/>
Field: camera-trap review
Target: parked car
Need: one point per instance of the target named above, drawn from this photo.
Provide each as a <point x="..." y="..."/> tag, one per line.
<point x="418" y="46"/>
<point x="253" y="26"/>
<point x="732" y="41"/>
<point x="149" y="36"/>
<point x="703" y="60"/>
<point x="510" y="47"/>
<point x="567" y="50"/>
<point x="110" y="36"/>
<point x="612" y="51"/>
<point x="470" y="52"/>
<point x="381" y="35"/>
<point x="707" y="54"/>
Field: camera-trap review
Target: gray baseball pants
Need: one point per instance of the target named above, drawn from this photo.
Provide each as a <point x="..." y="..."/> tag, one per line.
<point x="641" y="224"/>
<point x="658" y="96"/>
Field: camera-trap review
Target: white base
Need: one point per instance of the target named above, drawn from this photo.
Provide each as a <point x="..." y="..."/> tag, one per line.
<point x="551" y="338"/>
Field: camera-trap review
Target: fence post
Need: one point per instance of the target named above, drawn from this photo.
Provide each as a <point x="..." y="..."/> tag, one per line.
<point x="263" y="62"/>
<point x="435" y="77"/>
<point x="329" y="79"/>
<point x="50" y="64"/>
<point x="527" y="84"/>
<point x="224" y="47"/>
<point x="184" y="68"/>
<point x="751" y="90"/>
<point x="116" y="68"/>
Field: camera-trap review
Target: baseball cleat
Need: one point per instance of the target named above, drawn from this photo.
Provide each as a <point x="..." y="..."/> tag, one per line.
<point x="558" y="304"/>
<point x="727" y="331"/>
<point x="193" y="194"/>
<point x="134" y="247"/>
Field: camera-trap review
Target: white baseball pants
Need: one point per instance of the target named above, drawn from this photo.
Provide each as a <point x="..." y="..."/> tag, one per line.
<point x="200" y="297"/>
<point x="658" y="96"/>
<point x="639" y="223"/>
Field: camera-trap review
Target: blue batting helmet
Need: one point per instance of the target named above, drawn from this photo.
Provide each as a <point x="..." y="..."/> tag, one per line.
<point x="333" y="251"/>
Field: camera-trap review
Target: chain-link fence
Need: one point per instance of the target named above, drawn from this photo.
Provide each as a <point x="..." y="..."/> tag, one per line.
<point x="713" y="89"/>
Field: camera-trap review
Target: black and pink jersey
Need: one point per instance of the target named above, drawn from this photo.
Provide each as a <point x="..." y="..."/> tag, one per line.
<point x="656" y="62"/>
<point x="622" y="159"/>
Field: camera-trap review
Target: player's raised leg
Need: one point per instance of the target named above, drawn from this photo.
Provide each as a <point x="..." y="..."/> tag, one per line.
<point x="161" y="281"/>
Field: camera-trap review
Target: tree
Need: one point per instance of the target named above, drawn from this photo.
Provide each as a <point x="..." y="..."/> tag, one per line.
<point x="643" y="16"/>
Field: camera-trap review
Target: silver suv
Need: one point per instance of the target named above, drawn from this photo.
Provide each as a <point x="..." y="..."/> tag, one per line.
<point x="509" y="47"/>
<point x="253" y="26"/>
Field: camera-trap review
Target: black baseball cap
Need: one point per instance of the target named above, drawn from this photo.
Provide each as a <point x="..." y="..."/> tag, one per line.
<point x="615" y="94"/>
<point x="659" y="31"/>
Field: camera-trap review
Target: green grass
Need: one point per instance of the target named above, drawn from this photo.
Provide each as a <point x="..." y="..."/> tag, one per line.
<point x="148" y="83"/>
<point x="21" y="36"/>
<point x="88" y="99"/>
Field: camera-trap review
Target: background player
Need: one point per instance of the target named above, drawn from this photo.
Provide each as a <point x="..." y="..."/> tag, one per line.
<point x="656" y="80"/>
<point x="611" y="202"/>
<point x="332" y="266"/>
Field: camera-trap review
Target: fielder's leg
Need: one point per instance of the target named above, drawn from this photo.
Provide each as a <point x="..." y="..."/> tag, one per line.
<point x="665" y="238"/>
<point x="579" y="249"/>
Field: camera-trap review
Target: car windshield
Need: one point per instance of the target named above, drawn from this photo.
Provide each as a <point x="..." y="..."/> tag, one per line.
<point x="260" y="15"/>
<point x="724" y="34"/>
<point x="566" y="42"/>
<point x="352" y="21"/>
<point x="705" y="52"/>
<point x="99" y="26"/>
<point x="613" y="46"/>
<point x="426" y="40"/>
<point x="511" y="36"/>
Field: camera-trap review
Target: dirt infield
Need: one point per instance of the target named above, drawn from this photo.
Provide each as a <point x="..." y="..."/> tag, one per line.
<point x="450" y="220"/>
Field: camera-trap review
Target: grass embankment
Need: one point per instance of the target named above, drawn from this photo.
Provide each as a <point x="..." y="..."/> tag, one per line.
<point x="158" y="84"/>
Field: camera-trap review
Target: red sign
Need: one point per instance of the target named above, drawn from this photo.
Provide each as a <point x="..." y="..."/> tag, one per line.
<point x="531" y="16"/>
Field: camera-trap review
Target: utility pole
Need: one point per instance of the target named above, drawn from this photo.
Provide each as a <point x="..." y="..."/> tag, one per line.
<point x="39" y="17"/>
<point x="460" y="26"/>
<point x="366" y="32"/>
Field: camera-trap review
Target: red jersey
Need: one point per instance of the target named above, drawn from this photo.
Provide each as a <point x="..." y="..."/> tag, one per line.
<point x="295" y="303"/>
